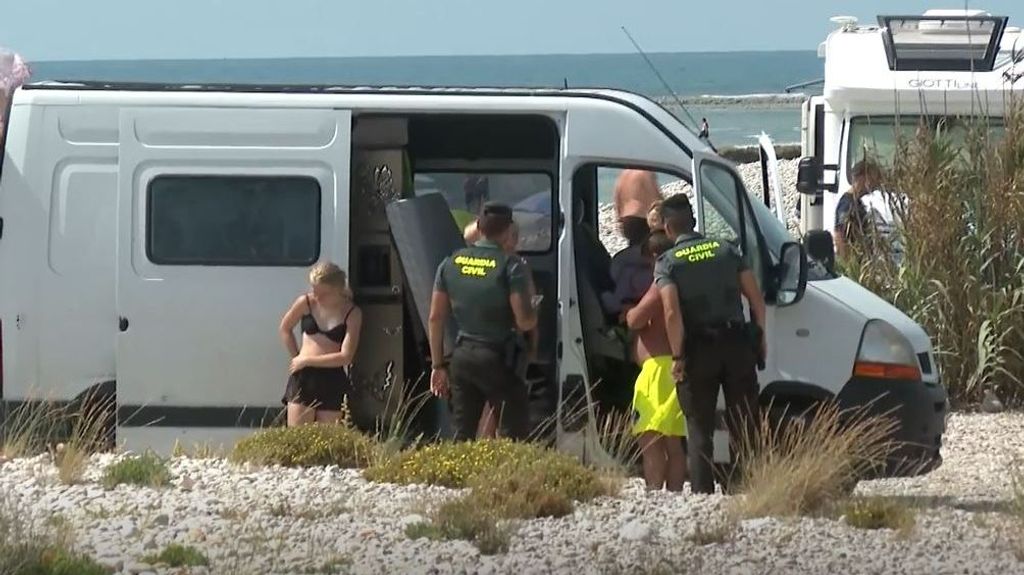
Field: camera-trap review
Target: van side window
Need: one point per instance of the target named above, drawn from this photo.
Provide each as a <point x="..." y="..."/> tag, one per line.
<point x="722" y="213"/>
<point x="607" y="177"/>
<point x="529" y="194"/>
<point x="233" y="220"/>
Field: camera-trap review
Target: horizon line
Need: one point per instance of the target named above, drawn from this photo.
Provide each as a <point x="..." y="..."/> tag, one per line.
<point x="405" y="56"/>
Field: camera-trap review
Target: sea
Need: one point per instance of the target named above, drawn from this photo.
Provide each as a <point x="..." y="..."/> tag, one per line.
<point x="740" y="93"/>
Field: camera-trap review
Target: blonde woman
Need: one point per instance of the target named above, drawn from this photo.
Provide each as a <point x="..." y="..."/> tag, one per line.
<point x="331" y="324"/>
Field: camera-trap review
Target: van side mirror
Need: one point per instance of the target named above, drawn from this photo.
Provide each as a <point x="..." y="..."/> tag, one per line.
<point x="809" y="176"/>
<point x="791" y="274"/>
<point x="821" y="247"/>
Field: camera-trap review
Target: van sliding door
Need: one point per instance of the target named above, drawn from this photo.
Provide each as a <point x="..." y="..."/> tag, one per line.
<point x="221" y="212"/>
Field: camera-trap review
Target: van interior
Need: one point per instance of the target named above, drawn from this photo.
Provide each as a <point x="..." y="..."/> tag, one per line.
<point x="402" y="169"/>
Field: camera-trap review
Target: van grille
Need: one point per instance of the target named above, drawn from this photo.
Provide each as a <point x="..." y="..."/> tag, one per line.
<point x="926" y="363"/>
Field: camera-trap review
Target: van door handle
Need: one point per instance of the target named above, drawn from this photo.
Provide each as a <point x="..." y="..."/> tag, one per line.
<point x="122" y="323"/>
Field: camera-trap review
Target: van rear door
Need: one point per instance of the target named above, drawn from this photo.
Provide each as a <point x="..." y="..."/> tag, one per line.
<point x="220" y="214"/>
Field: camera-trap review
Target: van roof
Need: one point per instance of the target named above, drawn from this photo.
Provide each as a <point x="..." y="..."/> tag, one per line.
<point x="646" y="107"/>
<point x="246" y="88"/>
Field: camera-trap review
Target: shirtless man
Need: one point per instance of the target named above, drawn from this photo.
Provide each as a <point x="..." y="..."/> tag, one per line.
<point x="659" y="419"/>
<point x="635" y="192"/>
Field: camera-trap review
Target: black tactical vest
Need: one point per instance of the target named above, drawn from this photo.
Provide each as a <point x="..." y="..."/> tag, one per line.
<point x="479" y="291"/>
<point x="706" y="273"/>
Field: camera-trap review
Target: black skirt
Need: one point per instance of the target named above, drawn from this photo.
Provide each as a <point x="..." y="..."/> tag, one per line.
<point x="318" y="387"/>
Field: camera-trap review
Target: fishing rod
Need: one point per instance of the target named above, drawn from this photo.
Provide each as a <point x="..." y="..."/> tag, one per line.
<point x="661" y="78"/>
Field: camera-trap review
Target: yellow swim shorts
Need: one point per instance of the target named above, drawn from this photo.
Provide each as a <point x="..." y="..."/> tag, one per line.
<point x="655" y="405"/>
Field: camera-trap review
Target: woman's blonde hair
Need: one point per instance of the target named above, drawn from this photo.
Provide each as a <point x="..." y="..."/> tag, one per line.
<point x="328" y="273"/>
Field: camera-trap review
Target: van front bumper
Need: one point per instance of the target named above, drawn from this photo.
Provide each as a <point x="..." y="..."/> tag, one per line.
<point x="920" y="411"/>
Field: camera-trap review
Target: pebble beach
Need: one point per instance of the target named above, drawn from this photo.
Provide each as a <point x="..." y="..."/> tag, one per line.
<point x="328" y="520"/>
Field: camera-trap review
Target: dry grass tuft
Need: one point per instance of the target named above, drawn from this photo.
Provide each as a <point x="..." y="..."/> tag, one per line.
<point x="804" y="467"/>
<point x="615" y="434"/>
<point x="26" y="550"/>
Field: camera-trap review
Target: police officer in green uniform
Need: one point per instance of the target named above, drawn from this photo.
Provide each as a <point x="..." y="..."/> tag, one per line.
<point x="701" y="281"/>
<point x="490" y="292"/>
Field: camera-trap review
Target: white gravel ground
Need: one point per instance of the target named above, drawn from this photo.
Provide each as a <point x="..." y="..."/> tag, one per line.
<point x="295" y="521"/>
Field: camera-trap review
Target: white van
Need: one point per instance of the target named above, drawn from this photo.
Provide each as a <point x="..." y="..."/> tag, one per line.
<point x="152" y="237"/>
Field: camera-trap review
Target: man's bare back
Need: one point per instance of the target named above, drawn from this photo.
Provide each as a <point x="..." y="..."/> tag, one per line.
<point x="647" y="321"/>
<point x="635" y="192"/>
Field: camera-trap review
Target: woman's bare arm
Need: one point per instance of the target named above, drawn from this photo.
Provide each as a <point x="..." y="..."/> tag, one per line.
<point x="287" y="328"/>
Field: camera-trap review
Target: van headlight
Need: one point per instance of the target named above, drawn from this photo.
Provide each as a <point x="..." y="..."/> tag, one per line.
<point x="885" y="354"/>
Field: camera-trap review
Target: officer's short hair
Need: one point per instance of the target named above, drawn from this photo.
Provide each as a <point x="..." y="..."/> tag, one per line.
<point x="677" y="212"/>
<point x="494" y="219"/>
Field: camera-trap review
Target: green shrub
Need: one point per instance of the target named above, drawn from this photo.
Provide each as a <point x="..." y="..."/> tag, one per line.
<point x="451" y="464"/>
<point x="464" y="519"/>
<point x="507" y="481"/>
<point x="30" y="559"/>
<point x="962" y="230"/>
<point x="307" y="446"/>
<point x="26" y="550"/>
<point x="146" y="470"/>
<point x="548" y="486"/>
<point x="878" y="513"/>
<point x="179" y="556"/>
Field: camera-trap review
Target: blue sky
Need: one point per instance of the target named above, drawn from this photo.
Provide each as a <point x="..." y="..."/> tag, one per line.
<point x="134" y="29"/>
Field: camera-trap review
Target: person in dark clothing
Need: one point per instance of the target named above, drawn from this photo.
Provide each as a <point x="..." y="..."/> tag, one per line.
<point x="853" y="223"/>
<point x="701" y="281"/>
<point x="630" y="268"/>
<point x="490" y="293"/>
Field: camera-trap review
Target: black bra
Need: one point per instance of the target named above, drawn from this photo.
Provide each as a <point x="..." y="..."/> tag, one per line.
<point x="335" y="334"/>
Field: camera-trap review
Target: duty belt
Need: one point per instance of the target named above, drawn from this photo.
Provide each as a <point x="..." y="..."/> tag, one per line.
<point x="477" y="342"/>
<point x="717" y="330"/>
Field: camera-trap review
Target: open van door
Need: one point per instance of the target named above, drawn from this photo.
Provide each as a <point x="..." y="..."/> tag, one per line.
<point x="723" y="212"/>
<point x="424" y="234"/>
<point x="770" y="185"/>
<point x="221" y="212"/>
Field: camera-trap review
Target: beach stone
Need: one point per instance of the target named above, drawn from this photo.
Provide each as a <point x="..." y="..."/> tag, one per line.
<point x="138" y="567"/>
<point x="111" y="563"/>
<point x="635" y="531"/>
<point x="161" y="520"/>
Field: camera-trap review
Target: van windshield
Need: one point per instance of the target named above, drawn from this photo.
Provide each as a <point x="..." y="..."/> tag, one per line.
<point x="876" y="137"/>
